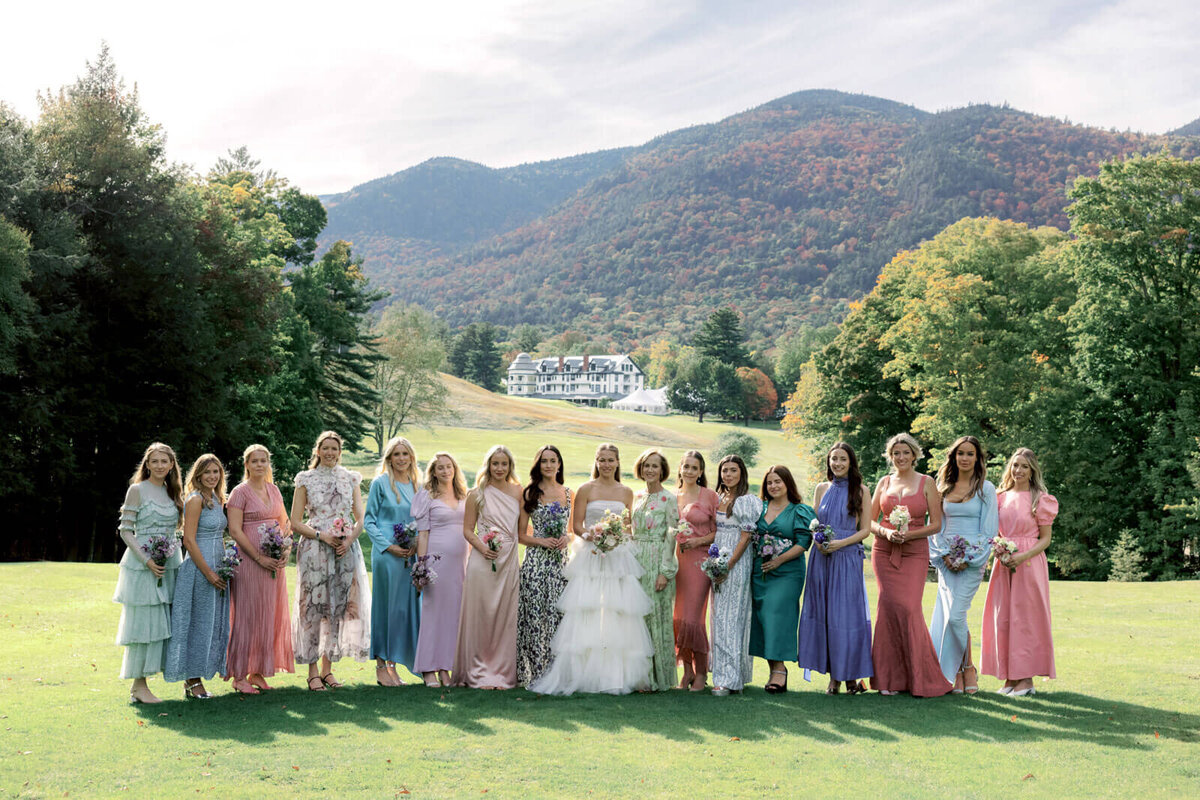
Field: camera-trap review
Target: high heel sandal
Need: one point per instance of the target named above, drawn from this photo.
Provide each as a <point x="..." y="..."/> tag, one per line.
<point x="970" y="688"/>
<point x="190" y="691"/>
<point x="320" y="687"/>
<point x="774" y="687"/>
<point x="330" y="681"/>
<point x="834" y="687"/>
<point x="245" y="687"/>
<point x="855" y="687"/>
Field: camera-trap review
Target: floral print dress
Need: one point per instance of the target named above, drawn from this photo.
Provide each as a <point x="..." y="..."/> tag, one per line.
<point x="653" y="517"/>
<point x="333" y="601"/>
<point x="538" y="615"/>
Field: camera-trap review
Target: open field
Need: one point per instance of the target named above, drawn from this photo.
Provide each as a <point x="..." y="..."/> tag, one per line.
<point x="1122" y="720"/>
<point x="482" y="419"/>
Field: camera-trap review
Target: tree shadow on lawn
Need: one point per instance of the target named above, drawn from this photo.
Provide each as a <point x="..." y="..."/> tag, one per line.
<point x="682" y="716"/>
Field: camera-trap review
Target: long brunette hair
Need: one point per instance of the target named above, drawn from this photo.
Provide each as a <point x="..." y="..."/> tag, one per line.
<point x="948" y="474"/>
<point x="853" y="479"/>
<point x="533" y="491"/>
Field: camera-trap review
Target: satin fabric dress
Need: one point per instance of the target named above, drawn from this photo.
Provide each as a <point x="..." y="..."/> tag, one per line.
<point x="835" y="625"/>
<point x="260" y="636"/>
<point x="602" y="644"/>
<point x="775" y="596"/>
<point x="653" y="517"/>
<point x="199" y="613"/>
<point x="395" y="602"/>
<point x="441" y="602"/>
<point x="487" y="627"/>
<point x="692" y="586"/>
<point x="732" y="666"/>
<point x="1017" y="642"/>
<point x="975" y="520"/>
<point x="902" y="654"/>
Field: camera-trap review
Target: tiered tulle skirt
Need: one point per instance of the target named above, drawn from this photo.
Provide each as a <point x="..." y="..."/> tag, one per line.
<point x="145" y="624"/>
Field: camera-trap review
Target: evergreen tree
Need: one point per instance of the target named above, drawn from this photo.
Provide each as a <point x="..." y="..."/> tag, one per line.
<point x="475" y="357"/>
<point x="723" y="338"/>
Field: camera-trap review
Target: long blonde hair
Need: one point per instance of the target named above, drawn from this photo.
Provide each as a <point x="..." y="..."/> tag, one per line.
<point x="246" y="456"/>
<point x="385" y="465"/>
<point x="483" y="478"/>
<point x="315" y="460"/>
<point x="458" y="483"/>
<point x="1037" y="486"/>
<point x="173" y="482"/>
<point x="194" y="483"/>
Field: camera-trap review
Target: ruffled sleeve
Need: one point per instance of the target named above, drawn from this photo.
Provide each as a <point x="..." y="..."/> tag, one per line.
<point x="128" y="526"/>
<point x="1047" y="509"/>
<point x="746" y="511"/>
<point x="802" y="517"/>
<point x="421" y="505"/>
<point x="304" y="479"/>
<point x="989" y="515"/>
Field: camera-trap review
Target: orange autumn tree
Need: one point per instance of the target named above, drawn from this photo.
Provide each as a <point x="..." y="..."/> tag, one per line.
<point x="759" y="399"/>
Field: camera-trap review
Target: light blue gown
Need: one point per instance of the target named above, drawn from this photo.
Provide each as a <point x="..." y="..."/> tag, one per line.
<point x="199" y="613"/>
<point x="395" y="604"/>
<point x="977" y="520"/>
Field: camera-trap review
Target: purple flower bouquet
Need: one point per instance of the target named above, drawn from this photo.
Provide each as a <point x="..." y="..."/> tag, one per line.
<point x="159" y="548"/>
<point x="228" y="564"/>
<point x="422" y="572"/>
<point x="271" y="541"/>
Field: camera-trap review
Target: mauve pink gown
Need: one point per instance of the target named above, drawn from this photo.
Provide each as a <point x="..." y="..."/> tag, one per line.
<point x="441" y="601"/>
<point x="260" y="637"/>
<point x="1016" y="614"/>
<point x="487" y="628"/>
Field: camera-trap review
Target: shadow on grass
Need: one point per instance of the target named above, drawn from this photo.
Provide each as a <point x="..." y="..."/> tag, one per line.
<point x="681" y="716"/>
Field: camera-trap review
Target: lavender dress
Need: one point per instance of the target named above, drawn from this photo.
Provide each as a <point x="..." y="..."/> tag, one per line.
<point x="835" y="624"/>
<point x="441" y="602"/>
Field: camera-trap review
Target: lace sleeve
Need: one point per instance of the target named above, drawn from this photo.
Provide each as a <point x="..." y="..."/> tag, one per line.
<point x="127" y="529"/>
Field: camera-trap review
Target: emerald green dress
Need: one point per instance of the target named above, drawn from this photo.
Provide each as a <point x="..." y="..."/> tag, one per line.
<point x="775" y="597"/>
<point x="653" y="517"/>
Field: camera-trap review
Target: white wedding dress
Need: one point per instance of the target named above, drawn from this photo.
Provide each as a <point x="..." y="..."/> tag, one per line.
<point x="602" y="644"/>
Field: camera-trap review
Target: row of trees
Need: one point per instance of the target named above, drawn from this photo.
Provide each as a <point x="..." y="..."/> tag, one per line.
<point x="1085" y="348"/>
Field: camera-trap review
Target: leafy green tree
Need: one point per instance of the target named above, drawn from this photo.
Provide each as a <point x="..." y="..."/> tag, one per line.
<point x="15" y="305"/>
<point x="703" y="385"/>
<point x="795" y="349"/>
<point x="738" y="444"/>
<point x="723" y="338"/>
<point x="527" y="338"/>
<point x="406" y="381"/>
<point x="475" y="357"/>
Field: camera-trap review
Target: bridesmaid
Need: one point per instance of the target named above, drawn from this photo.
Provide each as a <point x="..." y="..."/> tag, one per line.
<point x="395" y="604"/>
<point x="200" y="611"/>
<point x="698" y="507"/>
<point x="737" y="518"/>
<point x="1016" y="614"/>
<point x="969" y="510"/>
<point x="542" y="580"/>
<point x="655" y="513"/>
<point x="487" y="628"/>
<point x="776" y="583"/>
<point x="333" y="600"/>
<point x="260" y="636"/>
<point x="902" y="656"/>
<point x="438" y="511"/>
<point x="835" y="625"/>
<point x="152" y="508"/>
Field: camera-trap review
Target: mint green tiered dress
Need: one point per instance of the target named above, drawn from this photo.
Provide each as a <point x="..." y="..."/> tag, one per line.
<point x="145" y="623"/>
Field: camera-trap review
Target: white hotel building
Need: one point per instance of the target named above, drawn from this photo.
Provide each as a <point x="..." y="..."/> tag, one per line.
<point x="580" y="379"/>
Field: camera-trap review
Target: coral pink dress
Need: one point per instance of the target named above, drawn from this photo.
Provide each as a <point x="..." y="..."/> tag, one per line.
<point x="1016" y="614"/>
<point x="902" y="653"/>
<point x="692" y="586"/>
<point x="260" y="638"/>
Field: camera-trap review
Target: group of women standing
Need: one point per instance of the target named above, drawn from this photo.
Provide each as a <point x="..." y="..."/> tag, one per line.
<point x="574" y="616"/>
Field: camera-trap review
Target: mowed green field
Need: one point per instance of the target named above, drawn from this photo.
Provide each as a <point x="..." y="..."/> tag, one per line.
<point x="1122" y="720"/>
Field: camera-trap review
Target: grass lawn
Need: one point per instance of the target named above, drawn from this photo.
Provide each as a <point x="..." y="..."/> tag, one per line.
<point x="1122" y="720"/>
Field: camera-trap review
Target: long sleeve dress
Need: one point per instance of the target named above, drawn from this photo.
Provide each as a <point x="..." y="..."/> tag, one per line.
<point x="835" y="625"/>
<point x="775" y="596"/>
<point x="145" y="625"/>
<point x="199" y="613"/>
<point x="975" y="519"/>
<point x="333" y="601"/>
<point x="487" y="627"/>
<point x="653" y="517"/>
<point x="260" y="635"/>
<point x="692" y="586"/>
<point x="441" y="602"/>
<point x="1017" y="643"/>
<point x="542" y="582"/>
<point x="902" y="655"/>
<point x="395" y="602"/>
<point x="732" y="666"/>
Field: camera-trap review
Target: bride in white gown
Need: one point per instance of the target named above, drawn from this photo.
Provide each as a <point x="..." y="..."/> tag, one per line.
<point x="602" y="644"/>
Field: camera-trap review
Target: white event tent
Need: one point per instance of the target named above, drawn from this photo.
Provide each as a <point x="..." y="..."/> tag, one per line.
<point x="647" y="401"/>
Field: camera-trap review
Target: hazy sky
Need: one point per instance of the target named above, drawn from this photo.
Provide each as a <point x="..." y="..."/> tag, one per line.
<point x="332" y="94"/>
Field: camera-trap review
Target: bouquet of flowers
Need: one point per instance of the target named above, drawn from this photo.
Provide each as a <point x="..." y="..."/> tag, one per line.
<point x="822" y="534"/>
<point x="422" y="571"/>
<point x="494" y="539"/>
<point x="158" y="549"/>
<point x="1004" y="547"/>
<point x="271" y="541"/>
<point x="959" y="553"/>
<point x="228" y="563"/>
<point x="550" y="522"/>
<point x="609" y="533"/>
<point x="767" y="547"/>
<point x="683" y="531"/>
<point x="341" y="528"/>
<point x="717" y="564"/>
<point x="900" y="517"/>
<point x="405" y="537"/>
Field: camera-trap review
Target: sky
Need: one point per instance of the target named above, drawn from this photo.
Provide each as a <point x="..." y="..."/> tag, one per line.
<point x="333" y="94"/>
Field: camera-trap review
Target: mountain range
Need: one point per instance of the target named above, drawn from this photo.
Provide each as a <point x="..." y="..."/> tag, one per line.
<point x="786" y="211"/>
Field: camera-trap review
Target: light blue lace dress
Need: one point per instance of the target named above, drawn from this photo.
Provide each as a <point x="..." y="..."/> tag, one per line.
<point x="199" y="613"/>
<point x="731" y="603"/>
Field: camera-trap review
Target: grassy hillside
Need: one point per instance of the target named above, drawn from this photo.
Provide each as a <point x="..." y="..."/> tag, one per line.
<point x="1120" y="721"/>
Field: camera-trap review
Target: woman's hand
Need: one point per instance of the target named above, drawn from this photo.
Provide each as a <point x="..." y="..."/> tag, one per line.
<point x="156" y="568"/>
<point x="216" y="582"/>
<point x="721" y="579"/>
<point x="562" y="543"/>
<point x="771" y="566"/>
<point x="661" y="582"/>
<point x="488" y="553"/>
